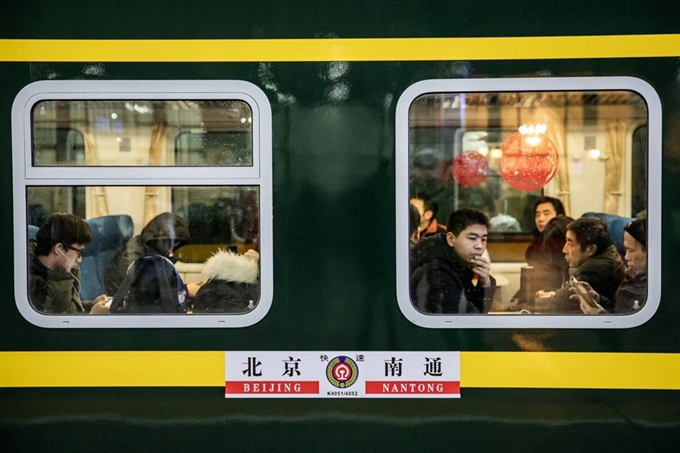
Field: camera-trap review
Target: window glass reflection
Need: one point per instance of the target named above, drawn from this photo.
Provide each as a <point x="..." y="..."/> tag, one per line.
<point x="523" y="202"/>
<point x="173" y="250"/>
<point x="136" y="133"/>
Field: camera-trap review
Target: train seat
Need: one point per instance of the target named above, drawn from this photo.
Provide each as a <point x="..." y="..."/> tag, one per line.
<point x="32" y="231"/>
<point x="615" y="224"/>
<point x="109" y="236"/>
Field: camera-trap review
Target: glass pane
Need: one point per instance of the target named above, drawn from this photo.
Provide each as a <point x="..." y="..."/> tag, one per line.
<point x="501" y="154"/>
<point x="153" y="250"/>
<point x="136" y="133"/>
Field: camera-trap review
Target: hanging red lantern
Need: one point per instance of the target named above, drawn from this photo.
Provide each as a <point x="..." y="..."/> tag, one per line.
<point x="529" y="159"/>
<point x="470" y="168"/>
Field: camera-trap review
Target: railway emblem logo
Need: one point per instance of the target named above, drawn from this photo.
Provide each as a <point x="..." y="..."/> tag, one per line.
<point x="342" y="372"/>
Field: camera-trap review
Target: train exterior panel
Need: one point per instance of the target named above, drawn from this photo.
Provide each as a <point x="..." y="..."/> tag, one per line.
<point x="324" y="200"/>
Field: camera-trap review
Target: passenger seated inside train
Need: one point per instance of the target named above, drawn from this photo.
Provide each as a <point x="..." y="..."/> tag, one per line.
<point x="545" y="253"/>
<point x="593" y="259"/>
<point x="428" y="215"/>
<point x="413" y="225"/>
<point x="631" y="295"/>
<point x="162" y="236"/>
<point x="449" y="273"/>
<point x="54" y="281"/>
<point x="232" y="284"/>
<point x="151" y="285"/>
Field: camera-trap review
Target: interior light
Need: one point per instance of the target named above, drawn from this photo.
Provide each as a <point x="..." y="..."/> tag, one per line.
<point x="114" y="116"/>
<point x="594" y="153"/>
<point x="533" y="140"/>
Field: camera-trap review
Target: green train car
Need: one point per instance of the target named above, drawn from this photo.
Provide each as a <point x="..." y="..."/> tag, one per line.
<point x="274" y="153"/>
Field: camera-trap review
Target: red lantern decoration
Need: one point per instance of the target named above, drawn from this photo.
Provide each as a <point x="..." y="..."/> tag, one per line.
<point x="529" y="161"/>
<point x="470" y="168"/>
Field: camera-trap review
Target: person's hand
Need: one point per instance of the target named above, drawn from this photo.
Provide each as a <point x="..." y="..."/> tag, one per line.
<point x="252" y="254"/>
<point x="586" y="307"/>
<point x="544" y="294"/>
<point x="192" y="288"/>
<point x="100" y="298"/>
<point x="589" y="309"/>
<point x="99" y="305"/>
<point x="482" y="268"/>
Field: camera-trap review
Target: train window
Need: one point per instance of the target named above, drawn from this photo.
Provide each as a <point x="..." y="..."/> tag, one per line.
<point x="160" y="194"/>
<point x="129" y="132"/>
<point x="537" y="199"/>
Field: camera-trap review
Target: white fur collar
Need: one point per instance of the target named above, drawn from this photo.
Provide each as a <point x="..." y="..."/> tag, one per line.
<point x="231" y="267"/>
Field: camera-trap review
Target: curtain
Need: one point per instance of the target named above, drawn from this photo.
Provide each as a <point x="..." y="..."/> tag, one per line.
<point x="614" y="149"/>
<point x="100" y="205"/>
<point x="151" y="193"/>
<point x="556" y="132"/>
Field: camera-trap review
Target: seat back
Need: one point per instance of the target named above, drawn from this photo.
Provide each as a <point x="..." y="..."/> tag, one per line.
<point x="615" y="224"/>
<point x="32" y="231"/>
<point x="109" y="236"/>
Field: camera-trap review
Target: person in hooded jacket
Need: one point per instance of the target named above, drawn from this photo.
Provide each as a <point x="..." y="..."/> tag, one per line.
<point x="164" y="234"/>
<point x="232" y="284"/>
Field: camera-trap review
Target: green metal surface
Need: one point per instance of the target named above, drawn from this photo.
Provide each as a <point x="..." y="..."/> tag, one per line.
<point x="334" y="268"/>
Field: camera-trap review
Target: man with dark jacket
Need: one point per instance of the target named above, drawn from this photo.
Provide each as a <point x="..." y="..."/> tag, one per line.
<point x="591" y="258"/>
<point x="448" y="272"/>
<point x="54" y="284"/>
<point x="428" y="216"/>
<point x="164" y="234"/>
<point x="632" y="293"/>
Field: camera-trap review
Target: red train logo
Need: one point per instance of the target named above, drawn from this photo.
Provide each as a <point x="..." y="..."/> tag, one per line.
<point x="342" y="372"/>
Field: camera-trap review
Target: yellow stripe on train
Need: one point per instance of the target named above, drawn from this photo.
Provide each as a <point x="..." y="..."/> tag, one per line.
<point x="206" y="369"/>
<point x="332" y="49"/>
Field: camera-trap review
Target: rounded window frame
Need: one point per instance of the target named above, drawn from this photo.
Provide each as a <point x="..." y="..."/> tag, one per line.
<point x="25" y="174"/>
<point x="552" y="321"/>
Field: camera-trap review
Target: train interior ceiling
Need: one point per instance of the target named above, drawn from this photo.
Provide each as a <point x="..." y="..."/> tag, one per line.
<point x="600" y="137"/>
<point x="155" y="134"/>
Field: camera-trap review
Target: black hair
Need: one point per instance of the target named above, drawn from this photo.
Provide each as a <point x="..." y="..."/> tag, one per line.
<point x="428" y="204"/>
<point x="413" y="219"/>
<point x="64" y="229"/>
<point x="554" y="237"/>
<point x="557" y="204"/>
<point x="591" y="231"/>
<point x="460" y="219"/>
<point x="638" y="229"/>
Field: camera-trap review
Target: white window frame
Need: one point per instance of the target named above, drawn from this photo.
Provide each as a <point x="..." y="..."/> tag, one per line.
<point x="552" y="321"/>
<point x="25" y="174"/>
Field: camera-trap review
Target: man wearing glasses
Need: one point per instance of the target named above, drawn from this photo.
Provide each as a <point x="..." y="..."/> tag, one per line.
<point x="54" y="276"/>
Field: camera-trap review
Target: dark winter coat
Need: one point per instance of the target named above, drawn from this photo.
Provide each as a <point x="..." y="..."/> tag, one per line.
<point x="164" y="232"/>
<point x="632" y="290"/>
<point x="441" y="282"/>
<point x="232" y="285"/>
<point x="54" y="290"/>
<point x="545" y="255"/>
<point x="604" y="272"/>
